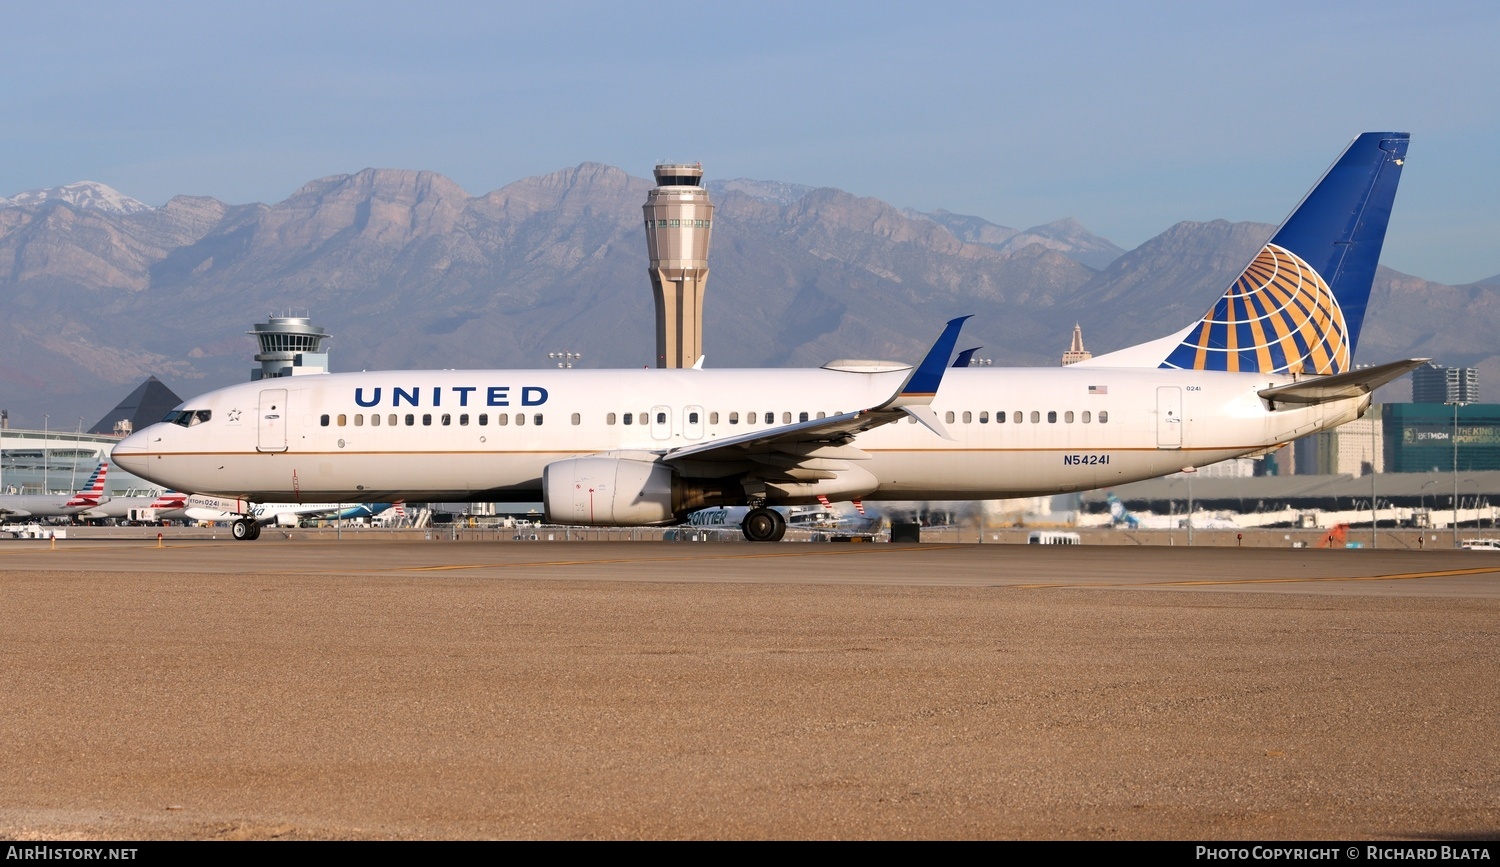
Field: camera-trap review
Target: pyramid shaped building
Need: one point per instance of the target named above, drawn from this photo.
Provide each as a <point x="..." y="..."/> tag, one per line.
<point x="146" y="405"/>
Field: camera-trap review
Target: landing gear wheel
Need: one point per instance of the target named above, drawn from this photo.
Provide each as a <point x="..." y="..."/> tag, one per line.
<point x="763" y="525"/>
<point x="243" y="530"/>
<point x="254" y="530"/>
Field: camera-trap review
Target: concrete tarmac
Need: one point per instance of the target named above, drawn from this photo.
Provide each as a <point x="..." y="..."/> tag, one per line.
<point x="308" y="688"/>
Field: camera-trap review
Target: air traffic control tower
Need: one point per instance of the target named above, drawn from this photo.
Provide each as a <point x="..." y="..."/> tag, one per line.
<point x="289" y="346"/>
<point x="679" y="218"/>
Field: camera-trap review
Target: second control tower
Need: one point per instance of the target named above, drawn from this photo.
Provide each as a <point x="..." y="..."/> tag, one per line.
<point x="679" y="218"/>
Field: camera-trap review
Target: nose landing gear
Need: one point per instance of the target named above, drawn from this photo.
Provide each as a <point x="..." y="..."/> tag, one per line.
<point x="245" y="530"/>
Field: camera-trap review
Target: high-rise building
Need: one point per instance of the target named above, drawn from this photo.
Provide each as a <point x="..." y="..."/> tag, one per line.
<point x="1433" y="383"/>
<point x="679" y="218"/>
<point x="1076" y="352"/>
<point x="1359" y="451"/>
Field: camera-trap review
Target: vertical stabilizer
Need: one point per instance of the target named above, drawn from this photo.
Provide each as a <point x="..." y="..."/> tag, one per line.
<point x="1299" y="305"/>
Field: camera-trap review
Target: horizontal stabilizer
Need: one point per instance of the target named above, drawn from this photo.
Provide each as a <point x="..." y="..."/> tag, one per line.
<point x="929" y="420"/>
<point x="1341" y="386"/>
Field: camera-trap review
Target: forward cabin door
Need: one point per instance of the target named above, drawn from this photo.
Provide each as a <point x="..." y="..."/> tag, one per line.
<point x="1168" y="417"/>
<point x="272" y="420"/>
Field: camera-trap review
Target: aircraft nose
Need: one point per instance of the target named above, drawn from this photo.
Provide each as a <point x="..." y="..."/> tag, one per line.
<point x="132" y="452"/>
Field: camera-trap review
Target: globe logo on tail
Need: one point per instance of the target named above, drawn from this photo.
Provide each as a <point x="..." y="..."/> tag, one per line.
<point x="1278" y="317"/>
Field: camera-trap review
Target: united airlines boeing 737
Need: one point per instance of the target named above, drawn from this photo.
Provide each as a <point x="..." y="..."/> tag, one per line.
<point x="1270" y="362"/>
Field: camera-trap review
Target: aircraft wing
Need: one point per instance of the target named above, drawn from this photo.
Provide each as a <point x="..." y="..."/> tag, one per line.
<point x="16" y="512"/>
<point x="1341" y="386"/>
<point x="795" y="449"/>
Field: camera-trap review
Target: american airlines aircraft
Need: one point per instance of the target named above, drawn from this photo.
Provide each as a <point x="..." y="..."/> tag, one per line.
<point x="1270" y="362"/>
<point x="90" y="496"/>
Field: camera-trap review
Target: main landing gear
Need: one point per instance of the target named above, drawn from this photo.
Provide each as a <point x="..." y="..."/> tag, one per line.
<point x="245" y="529"/>
<point x="763" y="525"/>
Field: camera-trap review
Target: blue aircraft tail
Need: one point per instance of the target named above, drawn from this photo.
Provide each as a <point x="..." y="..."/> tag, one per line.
<point x="1299" y="305"/>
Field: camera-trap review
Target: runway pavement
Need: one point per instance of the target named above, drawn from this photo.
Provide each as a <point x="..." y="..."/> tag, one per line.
<point x="307" y="688"/>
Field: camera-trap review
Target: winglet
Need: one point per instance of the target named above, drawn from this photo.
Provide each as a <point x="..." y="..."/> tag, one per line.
<point x="923" y="383"/>
<point x="965" y="357"/>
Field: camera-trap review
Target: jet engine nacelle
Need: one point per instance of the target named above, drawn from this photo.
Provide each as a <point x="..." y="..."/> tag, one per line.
<point x="604" y="491"/>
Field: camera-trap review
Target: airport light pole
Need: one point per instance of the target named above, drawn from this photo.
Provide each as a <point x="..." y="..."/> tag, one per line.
<point x="1190" y="472"/>
<point x="1374" y="502"/>
<point x="1456" y="404"/>
<point x="73" y="476"/>
<point x="565" y="359"/>
<point x="46" y="489"/>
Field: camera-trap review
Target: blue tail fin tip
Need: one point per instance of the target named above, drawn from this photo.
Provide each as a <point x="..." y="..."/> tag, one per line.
<point x="1299" y="305"/>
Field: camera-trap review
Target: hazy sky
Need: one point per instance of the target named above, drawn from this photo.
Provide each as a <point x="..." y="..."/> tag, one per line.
<point x="1127" y="116"/>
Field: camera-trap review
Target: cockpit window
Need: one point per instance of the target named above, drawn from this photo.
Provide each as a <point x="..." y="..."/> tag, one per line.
<point x="188" y="417"/>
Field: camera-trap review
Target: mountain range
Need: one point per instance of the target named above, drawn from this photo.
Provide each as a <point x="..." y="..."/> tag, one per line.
<point x="406" y="269"/>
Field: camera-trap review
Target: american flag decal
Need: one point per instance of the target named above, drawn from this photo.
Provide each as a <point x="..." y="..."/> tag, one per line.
<point x="1098" y="389"/>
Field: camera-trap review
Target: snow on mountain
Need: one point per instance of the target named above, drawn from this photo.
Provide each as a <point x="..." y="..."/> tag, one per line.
<point x="83" y="194"/>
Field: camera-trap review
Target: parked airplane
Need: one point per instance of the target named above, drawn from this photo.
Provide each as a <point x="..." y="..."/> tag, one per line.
<point x="1119" y="516"/>
<point x="1270" y="362"/>
<point x="816" y="516"/>
<point x="257" y="515"/>
<point x="91" y="495"/>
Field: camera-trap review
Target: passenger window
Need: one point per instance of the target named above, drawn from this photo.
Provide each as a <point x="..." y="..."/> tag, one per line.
<point x="1036" y="417"/>
<point x="948" y="417"/>
<point x="1103" y="416"/>
<point x="692" y="418"/>
<point x="968" y="417"/>
<point x="713" y="418"/>
<point x="359" y="419"/>
<point x="984" y="416"/>
<point x="463" y="419"/>
<point x="734" y="418"/>
<point x="661" y="418"/>
<point x="484" y="419"/>
<point x="577" y="419"/>
<point x="771" y="418"/>
<point x="609" y="418"/>
<point x="520" y="418"/>
<point x="999" y="418"/>
<point x="536" y="419"/>
<point x="1085" y="417"/>
<point x="343" y="420"/>
<point x="427" y="418"/>
<point x="447" y="419"/>
<point x="1051" y="416"/>
<point x="786" y="418"/>
<point x="324" y="420"/>
<point x="628" y="417"/>
<point x="410" y="419"/>
<point x="501" y="419"/>
<point x="374" y="419"/>
<point x="802" y="416"/>
<point x="1015" y="417"/>
<point x="822" y="415"/>
<point x="1068" y="416"/>
<point x="750" y="417"/>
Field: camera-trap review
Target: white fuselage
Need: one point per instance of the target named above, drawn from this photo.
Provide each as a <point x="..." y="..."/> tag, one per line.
<point x="26" y="506"/>
<point x="487" y="435"/>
